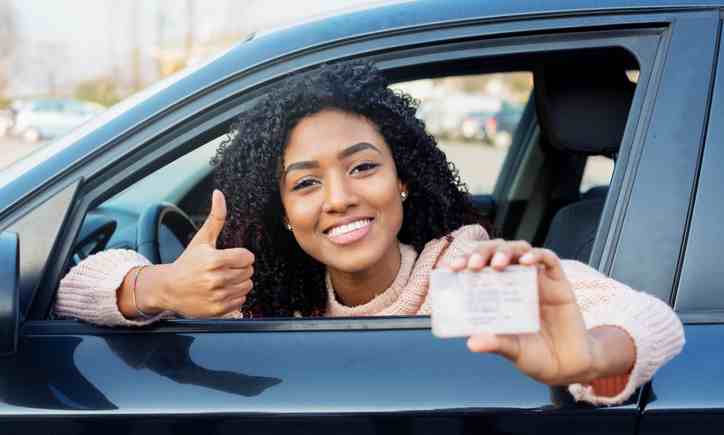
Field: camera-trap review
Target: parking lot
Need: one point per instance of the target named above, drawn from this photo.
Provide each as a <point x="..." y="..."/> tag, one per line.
<point x="13" y="149"/>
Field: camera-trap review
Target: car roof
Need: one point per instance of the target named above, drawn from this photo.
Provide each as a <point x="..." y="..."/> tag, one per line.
<point x="267" y="46"/>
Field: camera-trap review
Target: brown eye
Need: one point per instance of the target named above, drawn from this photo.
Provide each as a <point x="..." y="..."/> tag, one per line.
<point x="304" y="183"/>
<point x="364" y="167"/>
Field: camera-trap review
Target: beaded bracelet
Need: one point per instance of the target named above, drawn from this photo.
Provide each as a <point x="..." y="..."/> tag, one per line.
<point x="133" y="295"/>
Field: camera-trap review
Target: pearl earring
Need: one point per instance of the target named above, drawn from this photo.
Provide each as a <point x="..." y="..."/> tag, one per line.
<point x="289" y="226"/>
<point x="403" y="195"/>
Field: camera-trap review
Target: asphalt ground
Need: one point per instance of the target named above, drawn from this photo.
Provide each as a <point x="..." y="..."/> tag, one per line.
<point x="12" y="150"/>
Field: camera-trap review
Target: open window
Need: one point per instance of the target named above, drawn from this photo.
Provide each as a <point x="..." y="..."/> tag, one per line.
<point x="525" y="153"/>
<point x="572" y="109"/>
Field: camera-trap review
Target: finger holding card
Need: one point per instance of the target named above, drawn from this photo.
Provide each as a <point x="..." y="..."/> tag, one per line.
<point x="496" y="253"/>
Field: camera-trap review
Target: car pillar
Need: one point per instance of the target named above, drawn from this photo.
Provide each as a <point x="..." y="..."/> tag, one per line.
<point x="9" y="293"/>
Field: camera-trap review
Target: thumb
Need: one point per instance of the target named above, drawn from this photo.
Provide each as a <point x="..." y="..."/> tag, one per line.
<point x="507" y="346"/>
<point x="214" y="223"/>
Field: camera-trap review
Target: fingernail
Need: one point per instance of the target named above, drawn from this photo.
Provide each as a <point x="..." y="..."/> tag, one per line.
<point x="479" y="342"/>
<point x="499" y="259"/>
<point x="476" y="260"/>
<point x="457" y="262"/>
<point x="526" y="257"/>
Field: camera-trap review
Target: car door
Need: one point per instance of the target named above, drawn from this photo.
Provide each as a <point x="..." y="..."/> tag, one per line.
<point x="372" y="375"/>
<point x="687" y="393"/>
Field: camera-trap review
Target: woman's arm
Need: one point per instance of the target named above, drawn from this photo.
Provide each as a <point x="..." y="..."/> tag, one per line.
<point x="120" y="287"/>
<point x="614" y="357"/>
<point x="652" y="326"/>
<point x="139" y="294"/>
<point x="89" y="291"/>
<point x="597" y="335"/>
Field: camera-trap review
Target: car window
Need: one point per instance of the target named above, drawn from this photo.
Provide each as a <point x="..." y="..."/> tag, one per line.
<point x="190" y="192"/>
<point x="473" y="118"/>
<point x="598" y="172"/>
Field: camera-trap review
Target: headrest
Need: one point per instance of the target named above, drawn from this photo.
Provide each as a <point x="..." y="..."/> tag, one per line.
<point x="583" y="104"/>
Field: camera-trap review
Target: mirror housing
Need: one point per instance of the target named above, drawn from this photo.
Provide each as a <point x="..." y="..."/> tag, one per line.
<point x="9" y="293"/>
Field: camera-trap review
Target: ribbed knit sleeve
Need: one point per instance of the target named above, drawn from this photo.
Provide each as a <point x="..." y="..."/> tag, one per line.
<point x="655" y="329"/>
<point x="89" y="291"/>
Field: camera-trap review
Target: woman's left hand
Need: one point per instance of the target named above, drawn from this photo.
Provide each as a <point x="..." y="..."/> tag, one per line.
<point x="562" y="352"/>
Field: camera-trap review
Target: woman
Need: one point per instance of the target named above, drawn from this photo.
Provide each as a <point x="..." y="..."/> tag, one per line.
<point x="340" y="205"/>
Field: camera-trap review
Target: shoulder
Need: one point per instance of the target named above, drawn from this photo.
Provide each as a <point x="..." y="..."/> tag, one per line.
<point x="458" y="242"/>
<point x="475" y="233"/>
<point x="577" y="271"/>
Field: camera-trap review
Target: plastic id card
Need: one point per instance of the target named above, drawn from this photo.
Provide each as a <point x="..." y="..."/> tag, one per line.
<point x="466" y="303"/>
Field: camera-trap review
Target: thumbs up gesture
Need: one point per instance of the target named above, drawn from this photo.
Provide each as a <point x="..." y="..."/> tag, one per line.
<point x="205" y="281"/>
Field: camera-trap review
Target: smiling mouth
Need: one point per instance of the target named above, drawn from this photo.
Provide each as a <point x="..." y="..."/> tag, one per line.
<point x="348" y="233"/>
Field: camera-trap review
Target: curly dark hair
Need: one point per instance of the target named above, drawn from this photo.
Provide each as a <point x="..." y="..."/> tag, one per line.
<point x="248" y="169"/>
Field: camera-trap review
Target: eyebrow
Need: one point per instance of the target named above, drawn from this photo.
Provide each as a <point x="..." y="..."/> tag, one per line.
<point x="311" y="164"/>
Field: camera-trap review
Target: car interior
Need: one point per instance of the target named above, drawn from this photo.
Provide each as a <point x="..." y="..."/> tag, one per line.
<point x="578" y="109"/>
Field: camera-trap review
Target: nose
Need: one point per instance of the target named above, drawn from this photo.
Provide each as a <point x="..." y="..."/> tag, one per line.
<point x="338" y="195"/>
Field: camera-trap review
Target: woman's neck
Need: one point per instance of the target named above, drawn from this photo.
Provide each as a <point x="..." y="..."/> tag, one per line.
<point x="358" y="288"/>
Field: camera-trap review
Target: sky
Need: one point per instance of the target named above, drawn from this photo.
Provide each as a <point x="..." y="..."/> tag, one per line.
<point x="65" y="41"/>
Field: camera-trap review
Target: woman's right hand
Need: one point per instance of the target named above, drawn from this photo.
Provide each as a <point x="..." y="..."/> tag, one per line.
<point x="204" y="281"/>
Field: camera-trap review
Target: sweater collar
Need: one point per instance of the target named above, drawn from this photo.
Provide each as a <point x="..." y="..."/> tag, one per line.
<point x="408" y="255"/>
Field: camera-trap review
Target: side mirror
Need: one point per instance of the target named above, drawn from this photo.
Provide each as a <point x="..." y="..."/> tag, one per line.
<point x="9" y="293"/>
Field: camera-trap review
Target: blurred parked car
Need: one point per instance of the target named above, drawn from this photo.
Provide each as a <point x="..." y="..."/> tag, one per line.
<point x="504" y="123"/>
<point x="45" y="119"/>
<point x="494" y="128"/>
<point x="444" y="117"/>
<point x="478" y="126"/>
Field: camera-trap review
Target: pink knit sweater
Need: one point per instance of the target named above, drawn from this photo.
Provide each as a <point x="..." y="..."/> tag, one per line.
<point x="88" y="292"/>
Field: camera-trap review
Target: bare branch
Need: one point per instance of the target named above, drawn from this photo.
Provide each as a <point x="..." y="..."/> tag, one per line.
<point x="8" y="42"/>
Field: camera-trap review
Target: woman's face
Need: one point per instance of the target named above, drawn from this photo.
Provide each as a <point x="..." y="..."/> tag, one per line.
<point x="340" y="191"/>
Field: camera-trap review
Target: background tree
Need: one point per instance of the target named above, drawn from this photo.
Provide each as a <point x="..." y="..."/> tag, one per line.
<point x="102" y="90"/>
<point x="8" y="43"/>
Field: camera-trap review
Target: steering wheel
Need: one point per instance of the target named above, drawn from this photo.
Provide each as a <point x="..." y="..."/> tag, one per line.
<point x="94" y="235"/>
<point x="163" y="232"/>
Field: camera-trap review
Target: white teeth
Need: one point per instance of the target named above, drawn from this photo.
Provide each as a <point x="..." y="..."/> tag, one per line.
<point x="347" y="228"/>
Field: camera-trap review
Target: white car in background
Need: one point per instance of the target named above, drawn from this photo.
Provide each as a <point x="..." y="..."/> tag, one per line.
<point x="45" y="119"/>
<point x="444" y="116"/>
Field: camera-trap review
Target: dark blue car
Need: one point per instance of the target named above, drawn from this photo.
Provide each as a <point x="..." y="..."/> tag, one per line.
<point x="141" y="176"/>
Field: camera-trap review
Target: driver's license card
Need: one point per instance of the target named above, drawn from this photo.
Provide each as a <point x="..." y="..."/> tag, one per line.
<point x="498" y="302"/>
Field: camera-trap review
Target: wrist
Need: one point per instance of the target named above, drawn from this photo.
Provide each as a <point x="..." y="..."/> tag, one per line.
<point x="598" y="368"/>
<point x="150" y="289"/>
<point x="608" y="381"/>
<point x="613" y="352"/>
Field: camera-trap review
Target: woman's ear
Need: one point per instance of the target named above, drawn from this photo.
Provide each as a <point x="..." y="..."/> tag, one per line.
<point x="401" y="187"/>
